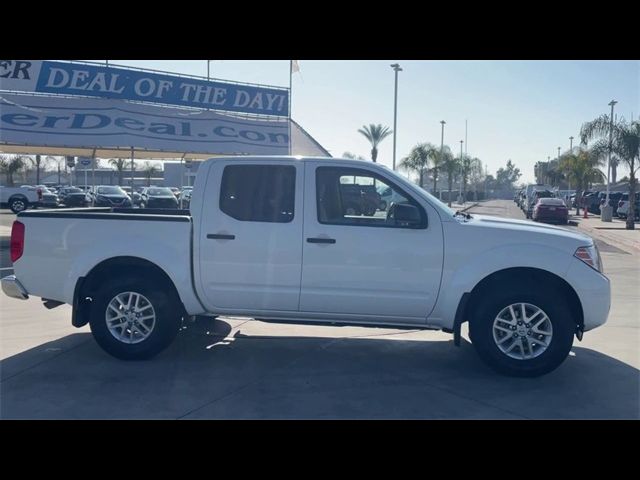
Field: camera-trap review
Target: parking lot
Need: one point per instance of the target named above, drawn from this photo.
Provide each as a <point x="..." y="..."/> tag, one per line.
<point x="242" y="368"/>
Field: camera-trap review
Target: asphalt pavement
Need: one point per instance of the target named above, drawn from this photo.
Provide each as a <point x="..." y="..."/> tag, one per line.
<point x="231" y="368"/>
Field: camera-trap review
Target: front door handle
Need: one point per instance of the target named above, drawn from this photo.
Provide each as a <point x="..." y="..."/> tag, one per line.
<point x="221" y="236"/>
<point x="321" y="240"/>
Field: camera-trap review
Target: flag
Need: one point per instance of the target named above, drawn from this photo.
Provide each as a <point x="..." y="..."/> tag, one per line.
<point x="294" y="66"/>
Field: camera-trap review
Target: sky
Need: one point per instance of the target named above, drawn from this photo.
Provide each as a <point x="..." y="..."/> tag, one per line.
<point x="518" y="110"/>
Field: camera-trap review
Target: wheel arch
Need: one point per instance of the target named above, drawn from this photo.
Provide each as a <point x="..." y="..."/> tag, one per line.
<point x="87" y="286"/>
<point x="531" y="275"/>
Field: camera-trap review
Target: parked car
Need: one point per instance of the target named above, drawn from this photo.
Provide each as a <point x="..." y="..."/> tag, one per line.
<point x="73" y="197"/>
<point x="388" y="196"/>
<point x="158" y="197"/>
<point x="176" y="191"/>
<point x="268" y="239"/>
<point x="48" y="198"/>
<point x="527" y="199"/>
<point x="614" y="199"/>
<point x="135" y="196"/>
<point x="591" y="201"/>
<point x="184" y="199"/>
<point x="360" y="199"/>
<point x="110" y="196"/>
<point x="624" y="204"/>
<point x="551" y="210"/>
<point x="533" y="198"/>
<point x="19" y="199"/>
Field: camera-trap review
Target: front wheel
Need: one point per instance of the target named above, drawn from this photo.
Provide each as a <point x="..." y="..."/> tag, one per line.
<point x="134" y="319"/>
<point x="526" y="334"/>
<point x="18" y="205"/>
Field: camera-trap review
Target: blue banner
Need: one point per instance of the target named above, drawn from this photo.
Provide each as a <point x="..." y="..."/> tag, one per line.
<point x="126" y="84"/>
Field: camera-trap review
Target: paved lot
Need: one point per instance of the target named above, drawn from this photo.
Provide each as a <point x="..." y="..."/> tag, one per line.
<point x="239" y="368"/>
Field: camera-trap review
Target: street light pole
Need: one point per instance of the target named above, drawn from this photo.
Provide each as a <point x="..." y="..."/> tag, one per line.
<point x="461" y="172"/>
<point x="571" y="152"/>
<point x="396" y="69"/>
<point x="442" y="122"/>
<point x="607" y="212"/>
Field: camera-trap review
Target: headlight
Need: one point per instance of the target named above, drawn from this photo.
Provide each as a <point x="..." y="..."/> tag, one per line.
<point x="591" y="256"/>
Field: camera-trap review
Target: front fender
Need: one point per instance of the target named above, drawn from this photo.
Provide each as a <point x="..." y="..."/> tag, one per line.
<point x="467" y="272"/>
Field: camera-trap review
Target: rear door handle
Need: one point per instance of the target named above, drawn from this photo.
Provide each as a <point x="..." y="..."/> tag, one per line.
<point x="321" y="240"/>
<point x="221" y="236"/>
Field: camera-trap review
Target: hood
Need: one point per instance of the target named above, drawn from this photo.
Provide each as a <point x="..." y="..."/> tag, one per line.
<point x="528" y="227"/>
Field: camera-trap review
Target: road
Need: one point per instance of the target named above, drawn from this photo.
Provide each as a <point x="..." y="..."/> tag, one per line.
<point x="240" y="368"/>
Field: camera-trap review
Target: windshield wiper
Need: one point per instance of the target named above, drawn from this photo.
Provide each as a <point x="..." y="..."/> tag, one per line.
<point x="467" y="216"/>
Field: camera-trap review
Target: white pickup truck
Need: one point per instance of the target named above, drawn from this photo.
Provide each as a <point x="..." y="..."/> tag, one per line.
<point x="289" y="239"/>
<point x="19" y="198"/>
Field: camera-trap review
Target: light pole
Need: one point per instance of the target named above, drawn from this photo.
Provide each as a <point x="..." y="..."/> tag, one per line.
<point x="571" y="144"/>
<point x="208" y="65"/>
<point x="571" y="152"/>
<point x="461" y="173"/>
<point x="396" y="69"/>
<point x="442" y="122"/>
<point x="607" y="211"/>
<point x="545" y="177"/>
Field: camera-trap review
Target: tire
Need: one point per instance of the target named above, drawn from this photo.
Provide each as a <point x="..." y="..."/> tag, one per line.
<point x="18" y="204"/>
<point x="166" y="324"/>
<point x="539" y="360"/>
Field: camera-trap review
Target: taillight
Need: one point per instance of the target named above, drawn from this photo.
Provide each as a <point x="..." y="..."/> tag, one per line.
<point x="591" y="256"/>
<point x="17" y="240"/>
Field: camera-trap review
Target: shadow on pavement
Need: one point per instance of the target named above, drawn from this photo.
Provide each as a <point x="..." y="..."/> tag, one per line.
<point x="208" y="373"/>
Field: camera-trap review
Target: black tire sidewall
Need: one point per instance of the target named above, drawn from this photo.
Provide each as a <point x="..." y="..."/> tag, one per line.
<point x="168" y="319"/>
<point x="552" y="303"/>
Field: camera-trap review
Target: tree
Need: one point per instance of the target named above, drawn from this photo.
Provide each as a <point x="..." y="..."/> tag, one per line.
<point x="418" y="160"/>
<point x="476" y="176"/>
<point x="451" y="165"/>
<point x="9" y="166"/>
<point x="39" y="164"/>
<point x="375" y="134"/>
<point x="581" y="167"/>
<point x="352" y="156"/>
<point x="149" y="170"/>
<point x="625" y="145"/>
<point x="437" y="162"/>
<point x="506" y="177"/>
<point x="468" y="166"/>
<point x="120" y="165"/>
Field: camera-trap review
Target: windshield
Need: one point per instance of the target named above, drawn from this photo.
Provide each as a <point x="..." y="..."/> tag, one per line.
<point x="73" y="190"/>
<point x="110" y="191"/>
<point x="159" y="191"/>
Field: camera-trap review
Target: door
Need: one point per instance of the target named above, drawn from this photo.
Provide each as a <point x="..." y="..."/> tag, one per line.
<point x="251" y="236"/>
<point x="358" y="260"/>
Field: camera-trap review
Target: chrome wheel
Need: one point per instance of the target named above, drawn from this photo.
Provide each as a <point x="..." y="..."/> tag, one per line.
<point x="522" y="331"/>
<point x="18" y="206"/>
<point x="130" y="317"/>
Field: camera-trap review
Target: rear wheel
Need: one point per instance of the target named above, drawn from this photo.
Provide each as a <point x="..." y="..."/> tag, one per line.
<point x="523" y="334"/>
<point x="134" y="319"/>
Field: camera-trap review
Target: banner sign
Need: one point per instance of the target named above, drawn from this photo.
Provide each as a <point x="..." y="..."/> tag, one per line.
<point x="66" y="78"/>
<point x="99" y="123"/>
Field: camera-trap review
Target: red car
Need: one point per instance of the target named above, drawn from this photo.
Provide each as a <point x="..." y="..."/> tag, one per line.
<point x="551" y="210"/>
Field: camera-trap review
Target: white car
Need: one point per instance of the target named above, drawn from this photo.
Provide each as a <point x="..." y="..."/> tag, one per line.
<point x="19" y="199"/>
<point x="623" y="206"/>
<point x="270" y="238"/>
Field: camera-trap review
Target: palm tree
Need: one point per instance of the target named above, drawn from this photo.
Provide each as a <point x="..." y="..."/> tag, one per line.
<point x="120" y="165"/>
<point x="149" y="170"/>
<point x="437" y="161"/>
<point x="9" y="166"/>
<point x="581" y="167"/>
<point x="451" y="165"/>
<point x="375" y="134"/>
<point x="418" y="160"/>
<point x="39" y="164"/>
<point x="625" y="144"/>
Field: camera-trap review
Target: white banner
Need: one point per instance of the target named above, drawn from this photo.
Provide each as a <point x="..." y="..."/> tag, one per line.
<point x="99" y="123"/>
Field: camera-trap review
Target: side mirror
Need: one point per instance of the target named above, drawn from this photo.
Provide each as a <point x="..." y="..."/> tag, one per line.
<point x="405" y="215"/>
